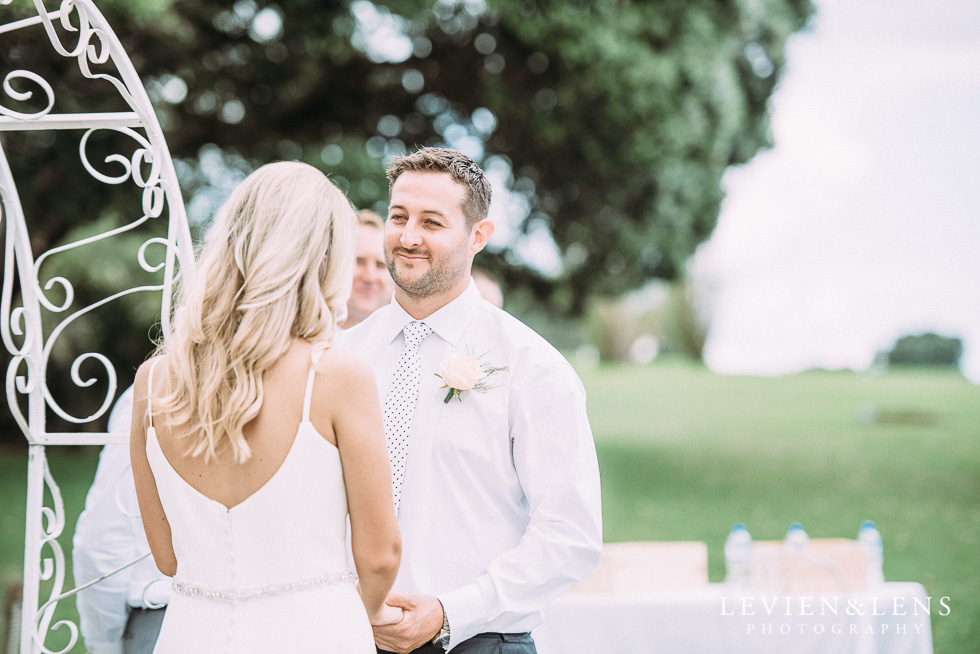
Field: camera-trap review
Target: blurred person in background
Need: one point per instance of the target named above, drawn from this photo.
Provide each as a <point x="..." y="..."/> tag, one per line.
<point x="123" y="613"/>
<point x="372" y="287"/>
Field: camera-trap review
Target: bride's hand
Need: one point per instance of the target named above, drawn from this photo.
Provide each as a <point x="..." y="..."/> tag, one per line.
<point x="388" y="615"/>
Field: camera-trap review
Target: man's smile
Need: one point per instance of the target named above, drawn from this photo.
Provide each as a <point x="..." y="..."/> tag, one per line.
<point x="411" y="255"/>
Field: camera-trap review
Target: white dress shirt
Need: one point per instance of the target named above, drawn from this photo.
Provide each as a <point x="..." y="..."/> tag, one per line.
<point x="105" y="539"/>
<point x="500" y="511"/>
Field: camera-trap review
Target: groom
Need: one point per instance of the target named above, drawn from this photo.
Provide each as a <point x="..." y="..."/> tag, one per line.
<point x="495" y="478"/>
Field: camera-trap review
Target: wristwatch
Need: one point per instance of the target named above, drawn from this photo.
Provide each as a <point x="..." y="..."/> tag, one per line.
<point x="442" y="638"/>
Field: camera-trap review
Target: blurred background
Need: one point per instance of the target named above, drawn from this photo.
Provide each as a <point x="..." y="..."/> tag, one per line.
<point x="867" y="205"/>
<point x="752" y="225"/>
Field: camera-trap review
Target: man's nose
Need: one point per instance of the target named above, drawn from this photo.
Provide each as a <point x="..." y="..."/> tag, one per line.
<point x="410" y="236"/>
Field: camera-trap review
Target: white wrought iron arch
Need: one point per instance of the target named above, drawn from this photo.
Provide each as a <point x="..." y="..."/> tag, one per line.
<point x="76" y="30"/>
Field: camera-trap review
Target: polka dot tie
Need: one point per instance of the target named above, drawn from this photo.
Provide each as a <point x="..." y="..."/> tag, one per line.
<point x="400" y="404"/>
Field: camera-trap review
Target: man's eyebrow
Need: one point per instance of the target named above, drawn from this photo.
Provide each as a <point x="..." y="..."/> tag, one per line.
<point x="432" y="211"/>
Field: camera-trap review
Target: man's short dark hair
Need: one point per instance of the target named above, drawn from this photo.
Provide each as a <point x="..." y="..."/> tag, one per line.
<point x="476" y="202"/>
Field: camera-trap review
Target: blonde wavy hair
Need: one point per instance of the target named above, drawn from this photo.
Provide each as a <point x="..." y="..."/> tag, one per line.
<point x="277" y="265"/>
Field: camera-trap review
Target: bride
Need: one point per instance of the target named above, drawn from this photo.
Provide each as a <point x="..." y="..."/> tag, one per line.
<point x="252" y="439"/>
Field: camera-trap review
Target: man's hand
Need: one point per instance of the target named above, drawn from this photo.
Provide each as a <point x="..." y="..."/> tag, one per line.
<point x="421" y="622"/>
<point x="388" y="615"/>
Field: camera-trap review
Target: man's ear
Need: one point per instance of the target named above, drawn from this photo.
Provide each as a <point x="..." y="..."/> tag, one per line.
<point x="480" y="235"/>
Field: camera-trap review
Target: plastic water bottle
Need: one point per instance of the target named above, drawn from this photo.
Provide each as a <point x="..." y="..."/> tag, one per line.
<point x="796" y="541"/>
<point x="870" y="541"/>
<point x="738" y="552"/>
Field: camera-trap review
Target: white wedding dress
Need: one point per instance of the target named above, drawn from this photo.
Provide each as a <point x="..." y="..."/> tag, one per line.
<point x="270" y="574"/>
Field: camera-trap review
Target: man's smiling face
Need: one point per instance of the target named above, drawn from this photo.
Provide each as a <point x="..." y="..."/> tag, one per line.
<point x="427" y="242"/>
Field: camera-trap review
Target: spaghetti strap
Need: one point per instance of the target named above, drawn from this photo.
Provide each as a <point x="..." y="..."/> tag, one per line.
<point x="316" y="352"/>
<point x="149" y="392"/>
<point x="307" y="399"/>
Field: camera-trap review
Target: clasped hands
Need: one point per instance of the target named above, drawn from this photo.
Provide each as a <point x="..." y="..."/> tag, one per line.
<point x="407" y="622"/>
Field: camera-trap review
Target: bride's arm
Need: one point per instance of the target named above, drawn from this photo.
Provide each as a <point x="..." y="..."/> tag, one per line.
<point x="350" y="396"/>
<point x="155" y="522"/>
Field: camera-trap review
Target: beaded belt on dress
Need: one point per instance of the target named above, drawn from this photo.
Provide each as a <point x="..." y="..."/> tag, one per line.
<point x="228" y="594"/>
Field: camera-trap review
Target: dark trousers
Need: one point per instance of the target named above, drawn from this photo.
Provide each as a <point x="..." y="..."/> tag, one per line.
<point x="142" y="630"/>
<point x="484" y="644"/>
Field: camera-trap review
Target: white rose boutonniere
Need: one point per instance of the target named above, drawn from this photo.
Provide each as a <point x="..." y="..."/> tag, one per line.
<point x="464" y="372"/>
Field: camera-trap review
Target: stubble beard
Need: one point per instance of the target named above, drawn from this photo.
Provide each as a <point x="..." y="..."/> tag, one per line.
<point x="439" y="278"/>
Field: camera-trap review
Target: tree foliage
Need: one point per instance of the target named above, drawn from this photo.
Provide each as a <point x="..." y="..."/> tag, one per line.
<point x="614" y="119"/>
<point x="617" y="118"/>
<point x="926" y="349"/>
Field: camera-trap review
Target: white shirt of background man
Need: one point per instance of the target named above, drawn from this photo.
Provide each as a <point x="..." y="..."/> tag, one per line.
<point x="106" y="538"/>
<point x="500" y="510"/>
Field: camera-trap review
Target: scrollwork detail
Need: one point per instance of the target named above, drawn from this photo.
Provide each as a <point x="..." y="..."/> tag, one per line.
<point x="53" y="567"/>
<point x="69" y="294"/>
<point x="23" y="96"/>
<point x="64" y="14"/>
<point x="18" y="385"/>
<point x="145" y="264"/>
<point x="76" y="379"/>
<point x="78" y="30"/>
<point x="141" y="255"/>
<point x="85" y="51"/>
<point x="130" y="165"/>
<point x="13" y="320"/>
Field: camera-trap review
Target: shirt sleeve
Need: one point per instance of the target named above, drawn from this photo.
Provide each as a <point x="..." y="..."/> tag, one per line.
<point x="555" y="460"/>
<point x="103" y="542"/>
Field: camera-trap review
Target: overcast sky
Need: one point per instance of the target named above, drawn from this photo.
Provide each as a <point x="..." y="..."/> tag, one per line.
<point x="863" y="223"/>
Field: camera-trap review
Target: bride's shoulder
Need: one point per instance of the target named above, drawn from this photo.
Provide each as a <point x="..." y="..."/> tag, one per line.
<point x="340" y="365"/>
<point x="153" y="368"/>
<point x="153" y="362"/>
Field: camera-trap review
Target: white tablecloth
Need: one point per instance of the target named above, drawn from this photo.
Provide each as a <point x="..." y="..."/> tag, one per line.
<point x="892" y="619"/>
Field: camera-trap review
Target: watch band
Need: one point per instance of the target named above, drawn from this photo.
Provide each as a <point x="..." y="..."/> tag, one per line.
<point x="442" y="639"/>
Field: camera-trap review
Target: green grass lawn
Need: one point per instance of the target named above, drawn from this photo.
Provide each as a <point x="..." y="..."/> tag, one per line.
<point x="685" y="453"/>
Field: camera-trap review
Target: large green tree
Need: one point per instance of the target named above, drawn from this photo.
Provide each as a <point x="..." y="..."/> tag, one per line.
<point x="615" y="119"/>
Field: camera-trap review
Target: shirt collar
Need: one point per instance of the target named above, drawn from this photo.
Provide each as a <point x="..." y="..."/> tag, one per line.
<point x="448" y="322"/>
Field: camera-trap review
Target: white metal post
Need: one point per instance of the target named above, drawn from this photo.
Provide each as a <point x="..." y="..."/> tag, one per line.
<point x="91" y="42"/>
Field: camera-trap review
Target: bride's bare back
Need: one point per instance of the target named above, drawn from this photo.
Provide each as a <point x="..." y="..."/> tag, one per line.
<point x="270" y="435"/>
<point x="344" y="411"/>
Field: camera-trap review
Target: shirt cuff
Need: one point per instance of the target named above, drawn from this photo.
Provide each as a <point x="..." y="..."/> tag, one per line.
<point x="465" y="607"/>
